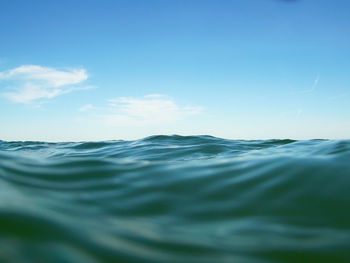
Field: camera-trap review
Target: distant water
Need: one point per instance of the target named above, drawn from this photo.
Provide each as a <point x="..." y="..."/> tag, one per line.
<point x="175" y="199"/>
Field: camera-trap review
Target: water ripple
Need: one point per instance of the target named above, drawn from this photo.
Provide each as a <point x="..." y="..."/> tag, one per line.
<point x="175" y="199"/>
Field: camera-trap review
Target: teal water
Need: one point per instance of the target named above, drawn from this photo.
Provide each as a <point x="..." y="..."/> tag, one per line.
<point x="175" y="199"/>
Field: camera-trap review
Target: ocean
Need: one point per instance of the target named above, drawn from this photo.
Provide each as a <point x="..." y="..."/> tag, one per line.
<point x="175" y="199"/>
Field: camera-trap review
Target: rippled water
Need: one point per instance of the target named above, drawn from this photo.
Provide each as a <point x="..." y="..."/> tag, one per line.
<point x="175" y="199"/>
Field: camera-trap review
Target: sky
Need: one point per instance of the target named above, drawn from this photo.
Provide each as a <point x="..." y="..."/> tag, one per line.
<point x="87" y="70"/>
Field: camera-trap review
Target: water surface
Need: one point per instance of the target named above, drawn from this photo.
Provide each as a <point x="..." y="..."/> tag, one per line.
<point x="175" y="199"/>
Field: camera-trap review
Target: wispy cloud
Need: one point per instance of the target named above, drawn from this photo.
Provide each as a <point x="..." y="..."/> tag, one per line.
<point x="86" y="107"/>
<point x="292" y="113"/>
<point x="29" y="83"/>
<point x="314" y="85"/>
<point x="147" y="110"/>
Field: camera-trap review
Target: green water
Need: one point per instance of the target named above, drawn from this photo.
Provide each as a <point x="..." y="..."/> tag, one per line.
<point x="175" y="199"/>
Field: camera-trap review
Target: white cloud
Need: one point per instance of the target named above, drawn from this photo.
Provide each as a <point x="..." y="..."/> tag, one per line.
<point x="29" y="83"/>
<point x="292" y="113"/>
<point x="86" y="107"/>
<point x="313" y="88"/>
<point x="150" y="109"/>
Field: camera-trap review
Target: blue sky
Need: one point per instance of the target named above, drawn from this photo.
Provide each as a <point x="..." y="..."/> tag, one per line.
<point x="243" y="69"/>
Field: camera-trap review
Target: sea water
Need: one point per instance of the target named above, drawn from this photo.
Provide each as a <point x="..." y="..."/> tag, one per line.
<point x="175" y="199"/>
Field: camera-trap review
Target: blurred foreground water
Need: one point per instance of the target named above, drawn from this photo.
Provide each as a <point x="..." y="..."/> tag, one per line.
<point x="175" y="199"/>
